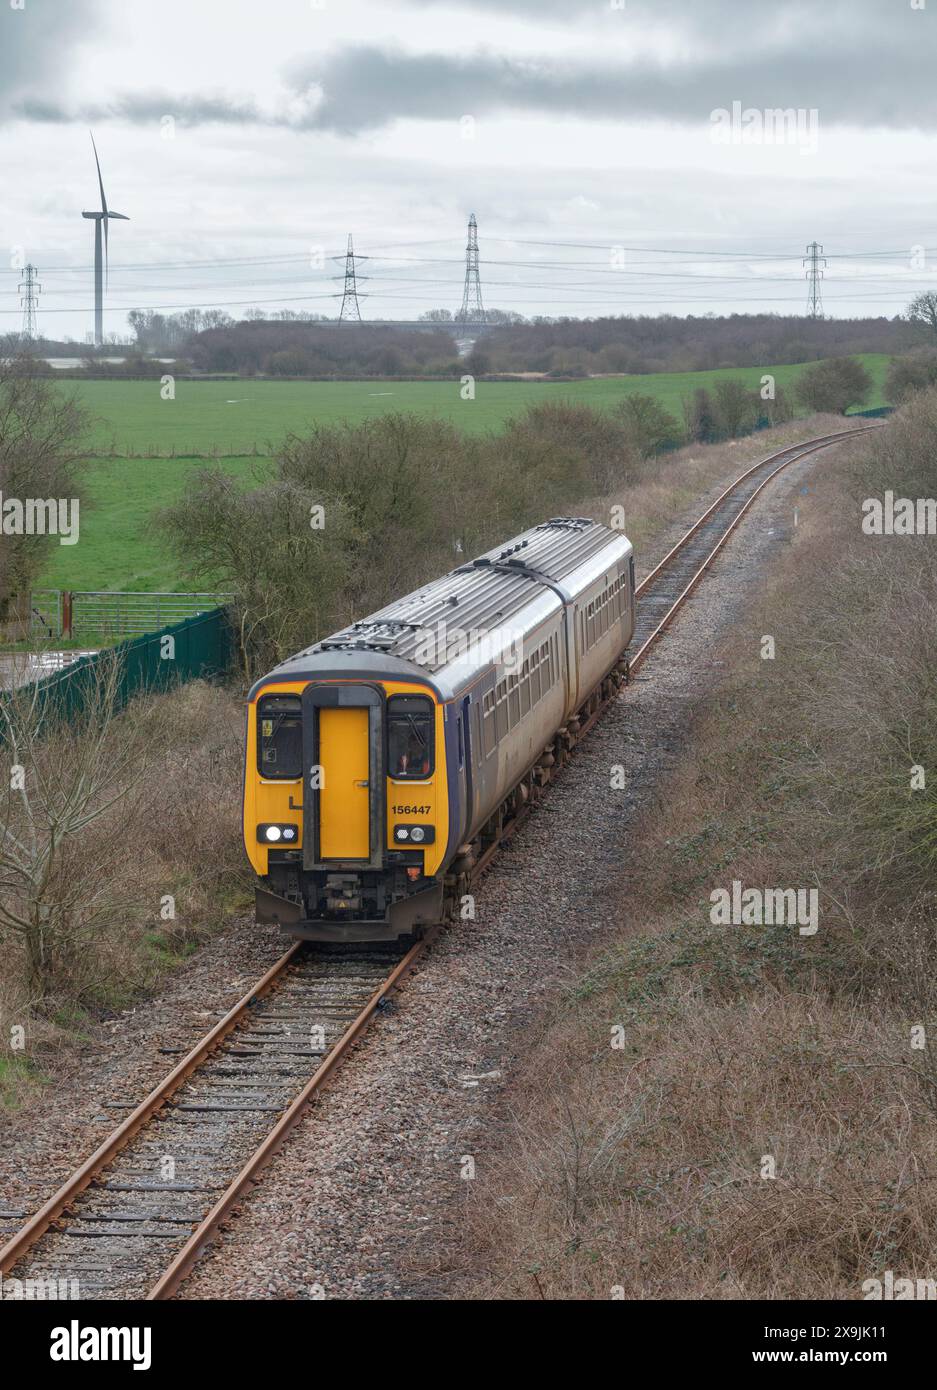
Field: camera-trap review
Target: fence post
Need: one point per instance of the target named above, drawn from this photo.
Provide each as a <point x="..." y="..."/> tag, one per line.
<point x="66" y="612"/>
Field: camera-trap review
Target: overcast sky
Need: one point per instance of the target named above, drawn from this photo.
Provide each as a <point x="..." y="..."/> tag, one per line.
<point x="245" y="140"/>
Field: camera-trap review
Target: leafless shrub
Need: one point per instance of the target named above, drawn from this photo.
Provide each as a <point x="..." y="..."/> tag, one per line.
<point x="119" y="840"/>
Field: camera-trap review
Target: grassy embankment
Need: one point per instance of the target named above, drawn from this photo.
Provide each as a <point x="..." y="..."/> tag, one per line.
<point x="768" y="1130"/>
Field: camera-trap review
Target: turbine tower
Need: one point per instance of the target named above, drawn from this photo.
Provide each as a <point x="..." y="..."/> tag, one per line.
<point x="472" y="313"/>
<point x="100" y="264"/>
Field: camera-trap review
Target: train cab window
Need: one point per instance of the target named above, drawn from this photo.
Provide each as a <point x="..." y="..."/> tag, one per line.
<point x="280" y="737"/>
<point x="410" y="743"/>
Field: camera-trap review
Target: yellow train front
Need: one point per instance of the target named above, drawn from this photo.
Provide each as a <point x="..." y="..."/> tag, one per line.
<point x="381" y="761"/>
<point x="345" y="804"/>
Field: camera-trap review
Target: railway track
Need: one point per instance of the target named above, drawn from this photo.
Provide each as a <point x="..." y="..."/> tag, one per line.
<point x="670" y="584"/>
<point x="134" y="1218"/>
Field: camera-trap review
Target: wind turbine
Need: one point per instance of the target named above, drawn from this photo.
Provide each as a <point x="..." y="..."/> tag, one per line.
<point x="99" y="219"/>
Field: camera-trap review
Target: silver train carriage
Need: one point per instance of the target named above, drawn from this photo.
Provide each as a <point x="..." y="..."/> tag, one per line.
<point x="381" y="761"/>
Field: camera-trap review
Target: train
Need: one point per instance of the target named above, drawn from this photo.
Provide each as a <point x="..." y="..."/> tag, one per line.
<point x="383" y="763"/>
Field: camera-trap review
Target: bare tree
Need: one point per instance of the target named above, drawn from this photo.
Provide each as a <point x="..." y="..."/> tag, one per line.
<point x="40" y="436"/>
<point x="61" y="779"/>
<point x="923" y="310"/>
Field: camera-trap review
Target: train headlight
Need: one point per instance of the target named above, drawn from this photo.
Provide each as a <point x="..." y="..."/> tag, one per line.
<point x="415" y="834"/>
<point x="273" y="834"/>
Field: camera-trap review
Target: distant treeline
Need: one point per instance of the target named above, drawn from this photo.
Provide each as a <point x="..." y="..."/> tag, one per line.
<point x="316" y="350"/>
<point x="567" y="348"/>
<point x="294" y="346"/>
<point x="666" y="344"/>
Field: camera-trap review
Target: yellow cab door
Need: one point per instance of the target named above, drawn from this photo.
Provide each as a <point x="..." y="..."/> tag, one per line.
<point x="344" y="797"/>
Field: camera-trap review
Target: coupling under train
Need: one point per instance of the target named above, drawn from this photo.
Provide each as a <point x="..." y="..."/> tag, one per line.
<point x="383" y="761"/>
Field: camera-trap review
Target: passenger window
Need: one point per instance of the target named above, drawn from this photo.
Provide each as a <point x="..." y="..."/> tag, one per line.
<point x="410" y="741"/>
<point x="280" y="737"/>
<point x="489" y="732"/>
<point x="514" y="704"/>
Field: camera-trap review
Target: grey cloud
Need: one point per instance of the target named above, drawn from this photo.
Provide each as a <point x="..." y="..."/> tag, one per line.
<point x="867" y="63"/>
<point x="37" y="42"/>
<point x="144" y="108"/>
<point x="731" y="21"/>
<point x="365" y="88"/>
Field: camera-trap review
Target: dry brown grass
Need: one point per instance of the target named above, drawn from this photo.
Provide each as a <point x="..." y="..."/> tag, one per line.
<point x="640" y="1168"/>
<point x="175" y="833"/>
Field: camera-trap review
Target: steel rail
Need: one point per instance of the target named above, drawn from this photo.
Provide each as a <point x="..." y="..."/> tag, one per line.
<point x="38" y="1224"/>
<point x="825" y="442"/>
<point x="186" y="1257"/>
<point x="809" y="446"/>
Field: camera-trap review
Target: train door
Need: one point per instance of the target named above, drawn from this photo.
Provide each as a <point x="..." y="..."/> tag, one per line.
<point x="344" y="800"/>
<point x="465" y="757"/>
<point x="343" y="775"/>
<point x="571" y="644"/>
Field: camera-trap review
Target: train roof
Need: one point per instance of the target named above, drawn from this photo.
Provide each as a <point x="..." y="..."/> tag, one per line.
<point x="483" y="596"/>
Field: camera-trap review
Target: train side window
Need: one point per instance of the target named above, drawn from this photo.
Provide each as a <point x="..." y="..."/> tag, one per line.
<point x="489" y="726"/>
<point x="410" y="741"/>
<point x="535" y="678"/>
<point x="501" y="719"/>
<point x="280" y="737"/>
<point x="480" y="741"/>
<point x="514" y="702"/>
<point x="525" y="689"/>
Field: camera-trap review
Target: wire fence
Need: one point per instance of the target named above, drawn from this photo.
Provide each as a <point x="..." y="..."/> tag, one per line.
<point x="199" y="647"/>
<point x="108" y="615"/>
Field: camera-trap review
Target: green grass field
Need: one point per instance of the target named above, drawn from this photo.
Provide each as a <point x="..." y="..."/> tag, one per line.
<point x="120" y="549"/>
<point x="241" y="417"/>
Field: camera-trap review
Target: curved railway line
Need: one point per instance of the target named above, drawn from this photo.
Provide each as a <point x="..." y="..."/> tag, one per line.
<point x="132" y="1220"/>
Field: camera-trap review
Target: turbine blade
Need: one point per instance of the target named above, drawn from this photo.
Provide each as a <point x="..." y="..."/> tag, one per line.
<point x="122" y="217"/>
<point x="100" y="180"/>
<point x="104" y="220"/>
